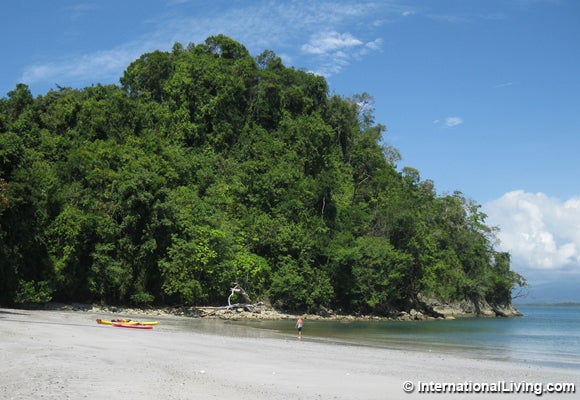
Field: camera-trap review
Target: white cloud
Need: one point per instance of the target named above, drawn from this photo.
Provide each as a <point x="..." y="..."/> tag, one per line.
<point x="453" y="121"/>
<point x="541" y="233"/>
<point x="335" y="50"/>
<point x="328" y="43"/>
<point x="318" y="36"/>
<point x="79" y="10"/>
<point x="375" y="44"/>
<point x="107" y="65"/>
<point x="503" y="85"/>
<point x="449" y="122"/>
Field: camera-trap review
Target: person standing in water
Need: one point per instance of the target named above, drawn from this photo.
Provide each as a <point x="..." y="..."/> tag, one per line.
<point x="299" y="325"/>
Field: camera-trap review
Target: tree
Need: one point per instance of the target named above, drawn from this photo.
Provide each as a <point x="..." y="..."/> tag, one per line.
<point x="147" y="76"/>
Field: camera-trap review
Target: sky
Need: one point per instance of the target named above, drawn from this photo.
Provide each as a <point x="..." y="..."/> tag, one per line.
<point x="480" y="96"/>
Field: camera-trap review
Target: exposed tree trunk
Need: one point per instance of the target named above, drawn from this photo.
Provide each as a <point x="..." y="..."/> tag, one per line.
<point x="246" y="304"/>
<point x="241" y="292"/>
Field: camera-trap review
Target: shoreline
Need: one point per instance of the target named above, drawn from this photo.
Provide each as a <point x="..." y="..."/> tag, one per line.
<point x="263" y="312"/>
<point x="67" y="355"/>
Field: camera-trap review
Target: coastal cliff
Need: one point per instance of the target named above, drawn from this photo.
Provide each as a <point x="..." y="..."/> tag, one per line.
<point x="467" y="309"/>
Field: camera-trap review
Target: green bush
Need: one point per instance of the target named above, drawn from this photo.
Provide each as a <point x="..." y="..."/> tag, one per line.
<point x="33" y="292"/>
<point x="142" y="298"/>
<point x="301" y="288"/>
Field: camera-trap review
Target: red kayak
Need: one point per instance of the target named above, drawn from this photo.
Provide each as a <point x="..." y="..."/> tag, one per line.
<point x="134" y="326"/>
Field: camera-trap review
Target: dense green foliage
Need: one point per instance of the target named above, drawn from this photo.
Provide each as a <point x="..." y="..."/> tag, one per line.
<point x="208" y="166"/>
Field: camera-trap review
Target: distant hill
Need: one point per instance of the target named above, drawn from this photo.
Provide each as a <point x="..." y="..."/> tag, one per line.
<point x="551" y="293"/>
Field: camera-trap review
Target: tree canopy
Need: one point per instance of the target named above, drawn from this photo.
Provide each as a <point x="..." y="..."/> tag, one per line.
<point x="208" y="166"/>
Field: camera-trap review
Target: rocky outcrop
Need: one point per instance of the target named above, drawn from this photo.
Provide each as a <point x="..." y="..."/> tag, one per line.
<point x="506" y="311"/>
<point x="423" y="309"/>
<point x="466" y="309"/>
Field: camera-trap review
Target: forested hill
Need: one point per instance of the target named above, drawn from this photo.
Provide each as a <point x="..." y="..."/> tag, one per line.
<point x="208" y="166"/>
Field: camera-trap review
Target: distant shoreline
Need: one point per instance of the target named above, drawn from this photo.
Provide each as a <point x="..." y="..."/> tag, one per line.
<point x="562" y="304"/>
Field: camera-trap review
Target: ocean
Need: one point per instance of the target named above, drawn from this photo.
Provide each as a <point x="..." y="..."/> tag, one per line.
<point x="545" y="335"/>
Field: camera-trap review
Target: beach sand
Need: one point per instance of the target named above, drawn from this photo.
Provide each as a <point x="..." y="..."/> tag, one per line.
<point x="67" y="355"/>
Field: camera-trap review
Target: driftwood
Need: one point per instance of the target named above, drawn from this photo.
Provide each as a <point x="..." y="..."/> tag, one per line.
<point x="241" y="292"/>
<point x="247" y="304"/>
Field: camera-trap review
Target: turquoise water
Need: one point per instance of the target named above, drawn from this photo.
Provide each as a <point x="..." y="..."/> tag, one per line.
<point x="547" y="335"/>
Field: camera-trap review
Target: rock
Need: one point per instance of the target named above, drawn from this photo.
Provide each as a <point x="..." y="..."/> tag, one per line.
<point x="507" y="311"/>
<point x="418" y="316"/>
<point x="466" y="309"/>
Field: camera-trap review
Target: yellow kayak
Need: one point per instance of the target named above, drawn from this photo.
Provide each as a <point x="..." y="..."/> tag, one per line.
<point x="125" y="321"/>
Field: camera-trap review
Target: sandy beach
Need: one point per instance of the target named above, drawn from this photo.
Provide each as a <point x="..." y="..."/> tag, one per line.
<point x="66" y="355"/>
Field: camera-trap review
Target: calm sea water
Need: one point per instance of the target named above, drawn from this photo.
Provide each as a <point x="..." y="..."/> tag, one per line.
<point x="547" y="335"/>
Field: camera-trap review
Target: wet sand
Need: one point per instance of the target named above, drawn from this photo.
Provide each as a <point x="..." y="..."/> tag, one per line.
<point x="66" y="355"/>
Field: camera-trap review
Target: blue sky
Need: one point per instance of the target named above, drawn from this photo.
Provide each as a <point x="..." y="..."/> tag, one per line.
<point x="480" y="96"/>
